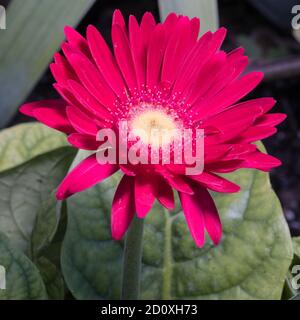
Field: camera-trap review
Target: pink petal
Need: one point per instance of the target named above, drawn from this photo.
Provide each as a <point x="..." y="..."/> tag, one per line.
<point x="81" y="122"/>
<point x="93" y="81"/>
<point x="255" y="133"/>
<point x="272" y="119"/>
<point x="50" y="112"/>
<point x="105" y="60"/>
<point x="194" y="217"/>
<point x="83" y="141"/>
<point x="155" y="55"/>
<point x="195" y="25"/>
<point x="77" y="40"/>
<point x="144" y="195"/>
<point x="261" y="161"/>
<point x="201" y="212"/>
<point x="179" y="184"/>
<point x="138" y="46"/>
<point x="118" y="19"/>
<point x="215" y="183"/>
<point x="62" y="70"/>
<point x="170" y="22"/>
<point x="212" y="220"/>
<point x="88" y="101"/>
<point x="165" y="194"/>
<point x="87" y="173"/>
<point x="232" y="93"/>
<point x="123" y="56"/>
<point x="147" y="26"/>
<point x="123" y="207"/>
<point x="176" y="50"/>
<point x="194" y="62"/>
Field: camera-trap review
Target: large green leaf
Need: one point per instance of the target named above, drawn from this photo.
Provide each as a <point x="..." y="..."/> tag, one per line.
<point x="206" y="10"/>
<point x="23" y="280"/>
<point x="296" y="244"/>
<point x="52" y="278"/>
<point x="250" y="263"/>
<point x="25" y="191"/>
<point x="34" y="32"/>
<point x="23" y="142"/>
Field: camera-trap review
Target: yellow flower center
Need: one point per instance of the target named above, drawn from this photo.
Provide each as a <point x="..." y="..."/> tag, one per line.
<point x="154" y="127"/>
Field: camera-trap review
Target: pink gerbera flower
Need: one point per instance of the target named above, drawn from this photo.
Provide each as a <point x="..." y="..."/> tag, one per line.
<point x="160" y="75"/>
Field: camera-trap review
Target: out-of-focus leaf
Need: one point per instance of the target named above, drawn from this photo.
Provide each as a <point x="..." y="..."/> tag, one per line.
<point x="34" y="32"/>
<point x="23" y="142"/>
<point x="23" y="280"/>
<point x="250" y="263"/>
<point x="296" y="244"/>
<point x="52" y="278"/>
<point x="206" y="10"/>
<point x="45" y="226"/>
<point x="25" y="190"/>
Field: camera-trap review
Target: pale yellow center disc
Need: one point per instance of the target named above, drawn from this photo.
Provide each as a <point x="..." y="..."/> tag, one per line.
<point x="154" y="127"/>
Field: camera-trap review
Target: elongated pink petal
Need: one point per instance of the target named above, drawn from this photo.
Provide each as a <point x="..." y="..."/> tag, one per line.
<point x="119" y="20"/>
<point x="147" y="26"/>
<point x="81" y="122"/>
<point x="144" y="195"/>
<point x="262" y="161"/>
<point x="88" y="173"/>
<point x="138" y="50"/>
<point x="123" y="56"/>
<point x="165" y="194"/>
<point x="61" y="70"/>
<point x="88" y="101"/>
<point x="83" y="141"/>
<point x="194" y="217"/>
<point x="123" y="207"/>
<point x="205" y="48"/>
<point x="255" y="133"/>
<point x="77" y="40"/>
<point x="201" y="212"/>
<point x="215" y="183"/>
<point x="176" y="50"/>
<point x="93" y="81"/>
<point x="212" y="220"/>
<point x="272" y="119"/>
<point x="155" y="55"/>
<point x="50" y="112"/>
<point x="232" y="93"/>
<point x="105" y="60"/>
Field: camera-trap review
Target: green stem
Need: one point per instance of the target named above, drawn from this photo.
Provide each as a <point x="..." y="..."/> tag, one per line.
<point x="132" y="260"/>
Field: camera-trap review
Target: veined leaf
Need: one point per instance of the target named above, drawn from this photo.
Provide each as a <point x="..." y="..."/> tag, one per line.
<point x="23" y="142"/>
<point x="25" y="190"/>
<point x="23" y="280"/>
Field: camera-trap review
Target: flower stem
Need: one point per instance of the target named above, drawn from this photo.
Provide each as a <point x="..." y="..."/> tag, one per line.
<point x="132" y="260"/>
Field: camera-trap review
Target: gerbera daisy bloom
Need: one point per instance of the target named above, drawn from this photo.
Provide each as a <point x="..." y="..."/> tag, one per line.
<point x="159" y="75"/>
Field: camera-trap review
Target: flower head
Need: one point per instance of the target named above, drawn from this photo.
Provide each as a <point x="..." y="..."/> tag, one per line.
<point x="159" y="77"/>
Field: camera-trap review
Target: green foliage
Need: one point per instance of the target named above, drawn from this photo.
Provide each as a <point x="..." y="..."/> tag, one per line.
<point x="25" y="191"/>
<point x="26" y="141"/>
<point x="23" y="280"/>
